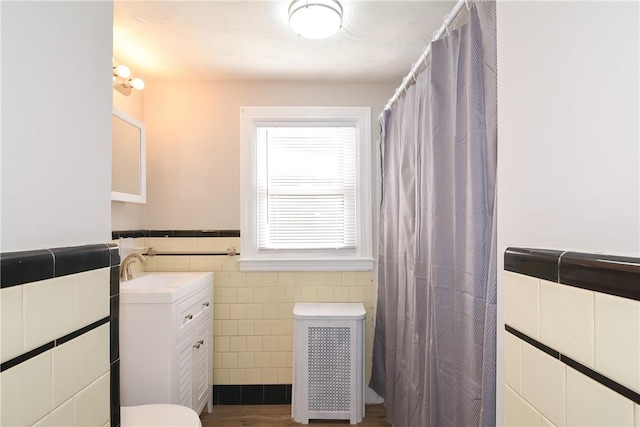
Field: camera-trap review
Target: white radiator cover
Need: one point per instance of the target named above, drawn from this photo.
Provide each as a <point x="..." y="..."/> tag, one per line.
<point x="328" y="362"/>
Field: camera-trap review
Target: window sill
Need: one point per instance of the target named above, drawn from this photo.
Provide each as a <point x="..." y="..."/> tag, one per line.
<point x="324" y="264"/>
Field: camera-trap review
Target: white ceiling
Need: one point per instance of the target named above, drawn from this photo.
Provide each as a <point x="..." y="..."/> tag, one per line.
<point x="251" y="40"/>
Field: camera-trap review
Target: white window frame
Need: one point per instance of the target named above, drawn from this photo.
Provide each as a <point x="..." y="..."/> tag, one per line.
<point x="251" y="259"/>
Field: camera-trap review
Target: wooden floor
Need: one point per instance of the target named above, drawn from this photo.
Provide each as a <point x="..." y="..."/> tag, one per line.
<point x="280" y="415"/>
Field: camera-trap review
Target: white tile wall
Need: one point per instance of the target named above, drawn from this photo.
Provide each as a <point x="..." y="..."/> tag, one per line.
<point x="91" y="296"/>
<point x="12" y="328"/>
<point x="25" y="391"/>
<point x="80" y="362"/>
<point x="62" y="416"/>
<point x="92" y="403"/>
<point x="512" y="360"/>
<point x="48" y="310"/>
<point x="519" y="411"/>
<point x="543" y="383"/>
<point x="617" y="339"/>
<point x="589" y="403"/>
<point x="51" y="388"/>
<point x="545" y="422"/>
<point x="566" y="320"/>
<point x="522" y="303"/>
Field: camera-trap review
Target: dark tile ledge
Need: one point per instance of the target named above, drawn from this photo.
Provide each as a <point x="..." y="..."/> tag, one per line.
<point x="610" y="274"/>
<point x="174" y="233"/>
<point x="17" y="268"/>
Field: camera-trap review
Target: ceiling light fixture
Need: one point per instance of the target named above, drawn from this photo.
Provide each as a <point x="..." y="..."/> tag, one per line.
<point x="122" y="81"/>
<point x="315" y="19"/>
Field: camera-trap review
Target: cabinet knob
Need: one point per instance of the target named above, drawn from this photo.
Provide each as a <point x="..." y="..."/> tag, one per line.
<point x="189" y="316"/>
<point x="206" y="303"/>
<point x="197" y="345"/>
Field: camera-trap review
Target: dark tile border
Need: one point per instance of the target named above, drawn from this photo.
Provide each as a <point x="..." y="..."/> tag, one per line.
<point x="195" y="254"/>
<point x="539" y="263"/>
<point x="613" y="275"/>
<point x="77" y="259"/>
<point x="51" y="344"/>
<point x="174" y="233"/>
<point x="596" y="376"/>
<point x="128" y="233"/>
<point x="114" y="281"/>
<point x="609" y="274"/>
<point x="115" y="393"/>
<point x="75" y="334"/>
<point x="26" y="356"/>
<point x="537" y="344"/>
<point x="252" y="394"/>
<point x="18" y="268"/>
<point x="114" y="332"/>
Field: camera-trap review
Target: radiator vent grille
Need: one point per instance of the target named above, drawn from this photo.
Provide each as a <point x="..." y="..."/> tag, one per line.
<point x="329" y="369"/>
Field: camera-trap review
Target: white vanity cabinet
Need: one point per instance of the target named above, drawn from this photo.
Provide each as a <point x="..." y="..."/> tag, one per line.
<point x="166" y="353"/>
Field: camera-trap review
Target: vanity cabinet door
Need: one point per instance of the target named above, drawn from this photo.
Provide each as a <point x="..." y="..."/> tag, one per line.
<point x="201" y="366"/>
<point x="184" y="383"/>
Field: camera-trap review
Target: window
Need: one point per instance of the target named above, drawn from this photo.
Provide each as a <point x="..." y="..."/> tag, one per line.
<point x="306" y="189"/>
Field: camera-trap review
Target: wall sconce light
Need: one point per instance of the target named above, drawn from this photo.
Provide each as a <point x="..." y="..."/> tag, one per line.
<point x="122" y="81"/>
<point x="315" y="19"/>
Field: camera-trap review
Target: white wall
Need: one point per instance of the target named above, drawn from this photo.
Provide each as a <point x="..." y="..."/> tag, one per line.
<point x="568" y="151"/>
<point x="193" y="145"/>
<point x="56" y="124"/>
<point x="124" y="215"/>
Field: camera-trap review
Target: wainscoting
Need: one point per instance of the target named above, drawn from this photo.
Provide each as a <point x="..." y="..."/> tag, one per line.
<point x="572" y="343"/>
<point x="253" y="313"/>
<point x="60" y="359"/>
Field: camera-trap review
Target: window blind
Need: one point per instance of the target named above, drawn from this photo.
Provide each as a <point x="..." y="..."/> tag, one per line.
<point x="306" y="179"/>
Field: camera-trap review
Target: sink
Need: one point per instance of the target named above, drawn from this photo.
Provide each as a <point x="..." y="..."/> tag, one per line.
<point x="159" y="287"/>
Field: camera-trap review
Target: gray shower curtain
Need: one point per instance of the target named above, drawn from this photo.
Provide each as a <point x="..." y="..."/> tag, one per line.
<point x="435" y="339"/>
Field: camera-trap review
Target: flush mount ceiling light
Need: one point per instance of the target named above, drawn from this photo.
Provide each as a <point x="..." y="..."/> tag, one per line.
<point x="315" y="19"/>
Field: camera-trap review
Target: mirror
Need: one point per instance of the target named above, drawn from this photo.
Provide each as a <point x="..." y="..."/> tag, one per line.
<point x="128" y="159"/>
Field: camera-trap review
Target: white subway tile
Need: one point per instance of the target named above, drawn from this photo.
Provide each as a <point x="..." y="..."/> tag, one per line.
<point x="545" y="422"/>
<point x="173" y="245"/>
<point x="589" y="403"/>
<point x="48" y="310"/>
<point x="158" y="243"/>
<point x="543" y="383"/>
<point x="92" y="404"/>
<point x="79" y="362"/>
<point x="25" y="391"/>
<point x="12" y="328"/>
<point x="617" y="339"/>
<point x="91" y="296"/>
<point x="221" y="244"/>
<point x="519" y="411"/>
<point x="512" y="360"/>
<point x="566" y="321"/>
<point x="522" y="303"/>
<point x="62" y="416"/>
<point x="206" y="244"/>
<point x="189" y="244"/>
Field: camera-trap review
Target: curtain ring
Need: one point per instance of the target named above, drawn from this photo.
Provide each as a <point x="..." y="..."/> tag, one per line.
<point x="446" y="27"/>
<point x="466" y="3"/>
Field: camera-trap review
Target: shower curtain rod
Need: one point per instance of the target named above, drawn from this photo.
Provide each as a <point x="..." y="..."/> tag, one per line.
<point x="425" y="53"/>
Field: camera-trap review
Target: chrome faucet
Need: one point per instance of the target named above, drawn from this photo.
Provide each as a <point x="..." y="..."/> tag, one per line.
<point x="125" y="265"/>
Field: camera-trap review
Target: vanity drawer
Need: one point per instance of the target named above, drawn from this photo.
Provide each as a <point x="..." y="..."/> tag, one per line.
<point x="193" y="310"/>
